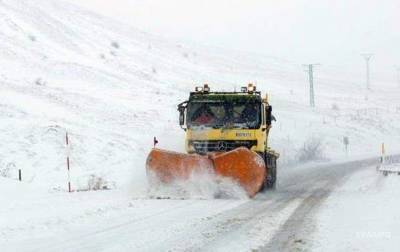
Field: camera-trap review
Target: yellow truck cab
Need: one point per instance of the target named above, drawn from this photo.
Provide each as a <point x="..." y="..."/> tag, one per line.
<point x="223" y="121"/>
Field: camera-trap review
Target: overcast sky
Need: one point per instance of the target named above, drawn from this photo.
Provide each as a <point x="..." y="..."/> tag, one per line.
<point x="332" y="32"/>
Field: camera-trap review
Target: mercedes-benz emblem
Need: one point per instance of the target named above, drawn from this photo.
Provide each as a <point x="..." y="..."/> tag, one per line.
<point x="221" y="146"/>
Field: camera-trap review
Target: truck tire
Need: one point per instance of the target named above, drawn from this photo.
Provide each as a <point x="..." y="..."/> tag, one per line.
<point x="270" y="180"/>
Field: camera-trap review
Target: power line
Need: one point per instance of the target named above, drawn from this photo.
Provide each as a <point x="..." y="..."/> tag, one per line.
<point x="367" y="57"/>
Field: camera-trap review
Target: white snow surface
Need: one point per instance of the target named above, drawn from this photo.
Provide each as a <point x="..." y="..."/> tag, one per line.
<point x="114" y="87"/>
<point x="361" y="215"/>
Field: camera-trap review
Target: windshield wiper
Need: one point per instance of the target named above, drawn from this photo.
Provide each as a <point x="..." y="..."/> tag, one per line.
<point x="218" y="126"/>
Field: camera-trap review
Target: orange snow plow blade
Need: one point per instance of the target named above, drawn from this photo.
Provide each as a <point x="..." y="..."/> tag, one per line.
<point x="169" y="166"/>
<point x="242" y="165"/>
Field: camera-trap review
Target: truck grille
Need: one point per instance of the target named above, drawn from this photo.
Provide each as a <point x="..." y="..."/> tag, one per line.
<point x="203" y="147"/>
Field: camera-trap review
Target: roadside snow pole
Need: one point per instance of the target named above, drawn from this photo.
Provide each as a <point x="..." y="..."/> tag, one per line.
<point x="68" y="167"/>
<point x="383" y="154"/>
<point x="346" y="145"/>
<point x="19" y="175"/>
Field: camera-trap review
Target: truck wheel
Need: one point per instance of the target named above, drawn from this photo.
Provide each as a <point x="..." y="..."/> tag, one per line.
<point x="270" y="180"/>
<point x="273" y="170"/>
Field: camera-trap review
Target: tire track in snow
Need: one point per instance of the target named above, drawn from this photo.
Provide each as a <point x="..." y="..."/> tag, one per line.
<point x="293" y="234"/>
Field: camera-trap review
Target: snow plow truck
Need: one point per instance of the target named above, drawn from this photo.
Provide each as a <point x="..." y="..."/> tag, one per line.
<point x="227" y="135"/>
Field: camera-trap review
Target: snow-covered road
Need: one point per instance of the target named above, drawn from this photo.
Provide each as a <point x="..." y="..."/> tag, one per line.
<point x="276" y="220"/>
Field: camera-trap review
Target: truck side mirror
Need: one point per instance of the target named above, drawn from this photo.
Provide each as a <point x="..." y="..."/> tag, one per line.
<point x="269" y="116"/>
<point x="181" y="117"/>
<point x="181" y="109"/>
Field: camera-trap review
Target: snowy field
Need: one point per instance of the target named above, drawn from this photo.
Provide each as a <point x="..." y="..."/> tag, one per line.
<point x="114" y="87"/>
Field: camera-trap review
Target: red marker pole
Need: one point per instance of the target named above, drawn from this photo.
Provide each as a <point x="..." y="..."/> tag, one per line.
<point x="68" y="167"/>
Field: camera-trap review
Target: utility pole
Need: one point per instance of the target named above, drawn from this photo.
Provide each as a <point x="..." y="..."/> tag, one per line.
<point x="367" y="57"/>
<point x="311" y="80"/>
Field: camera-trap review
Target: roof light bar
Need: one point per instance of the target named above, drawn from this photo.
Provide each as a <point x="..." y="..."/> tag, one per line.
<point x="251" y="88"/>
<point x="204" y="89"/>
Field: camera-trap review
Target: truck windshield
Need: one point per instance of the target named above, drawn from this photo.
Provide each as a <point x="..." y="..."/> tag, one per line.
<point x="244" y="115"/>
